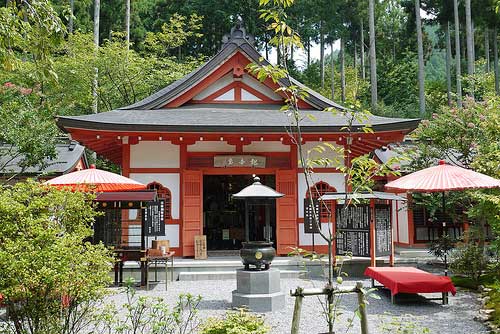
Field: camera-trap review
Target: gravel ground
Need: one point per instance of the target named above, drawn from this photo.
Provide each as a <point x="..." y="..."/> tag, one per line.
<point x="457" y="317"/>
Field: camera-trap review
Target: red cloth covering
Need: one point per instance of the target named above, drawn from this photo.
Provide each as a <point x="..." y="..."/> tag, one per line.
<point x="410" y="280"/>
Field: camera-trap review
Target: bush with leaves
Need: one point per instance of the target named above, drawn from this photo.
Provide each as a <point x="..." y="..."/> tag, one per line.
<point x="48" y="272"/>
<point x="469" y="259"/>
<point x="236" y="322"/>
<point x="141" y="314"/>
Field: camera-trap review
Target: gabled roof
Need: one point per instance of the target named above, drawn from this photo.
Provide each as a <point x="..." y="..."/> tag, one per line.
<point x="169" y="110"/>
<point x="226" y="118"/>
<point x="238" y="41"/>
<point x="68" y="155"/>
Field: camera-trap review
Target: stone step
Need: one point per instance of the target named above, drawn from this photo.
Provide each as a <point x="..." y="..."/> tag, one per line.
<point x="229" y="275"/>
<point x="414" y="253"/>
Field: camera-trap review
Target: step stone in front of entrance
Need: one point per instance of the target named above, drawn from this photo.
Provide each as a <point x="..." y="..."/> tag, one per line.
<point x="229" y="275"/>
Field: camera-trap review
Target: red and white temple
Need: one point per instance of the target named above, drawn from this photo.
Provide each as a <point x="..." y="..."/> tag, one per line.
<point x="199" y="140"/>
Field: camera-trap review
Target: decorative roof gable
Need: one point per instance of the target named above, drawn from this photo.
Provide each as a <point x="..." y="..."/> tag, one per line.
<point x="223" y="79"/>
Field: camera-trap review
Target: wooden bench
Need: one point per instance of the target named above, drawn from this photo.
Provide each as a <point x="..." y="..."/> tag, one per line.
<point x="411" y="280"/>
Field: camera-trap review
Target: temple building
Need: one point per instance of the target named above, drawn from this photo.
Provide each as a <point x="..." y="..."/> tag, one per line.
<point x="200" y="139"/>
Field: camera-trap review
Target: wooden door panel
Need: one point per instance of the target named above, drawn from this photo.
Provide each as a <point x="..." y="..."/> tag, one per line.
<point x="286" y="211"/>
<point x="192" y="209"/>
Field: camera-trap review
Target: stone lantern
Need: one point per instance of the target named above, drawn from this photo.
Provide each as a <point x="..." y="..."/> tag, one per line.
<point x="257" y="253"/>
<point x="258" y="287"/>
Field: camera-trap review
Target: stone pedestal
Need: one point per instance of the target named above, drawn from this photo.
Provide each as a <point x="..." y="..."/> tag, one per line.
<point x="260" y="291"/>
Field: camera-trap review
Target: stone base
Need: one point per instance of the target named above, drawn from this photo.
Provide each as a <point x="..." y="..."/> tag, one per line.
<point x="259" y="302"/>
<point x="260" y="291"/>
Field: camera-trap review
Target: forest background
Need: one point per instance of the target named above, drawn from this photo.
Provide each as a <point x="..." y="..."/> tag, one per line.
<point x="76" y="57"/>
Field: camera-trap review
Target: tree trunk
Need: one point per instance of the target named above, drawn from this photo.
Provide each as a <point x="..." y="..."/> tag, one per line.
<point x="355" y="56"/>
<point x="332" y="65"/>
<point x="457" y="54"/>
<point x="322" y="57"/>
<point x="278" y="55"/>
<point x="470" y="43"/>
<point x="421" y="78"/>
<point x="495" y="60"/>
<point x="308" y="51"/>
<point x="487" y="48"/>
<point x="342" y="70"/>
<point x="267" y="50"/>
<point x="97" y="5"/>
<point x="373" y="56"/>
<point x="448" y="62"/>
<point x="71" y="14"/>
<point x="127" y="23"/>
<point x="362" y="60"/>
<point x="473" y="28"/>
<point x="363" y="75"/>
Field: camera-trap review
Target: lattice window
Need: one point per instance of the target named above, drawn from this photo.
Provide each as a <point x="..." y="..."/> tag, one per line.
<point x="163" y="194"/>
<point x="327" y="207"/>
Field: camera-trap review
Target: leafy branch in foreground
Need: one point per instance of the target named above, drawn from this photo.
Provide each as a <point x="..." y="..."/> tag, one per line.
<point x="359" y="170"/>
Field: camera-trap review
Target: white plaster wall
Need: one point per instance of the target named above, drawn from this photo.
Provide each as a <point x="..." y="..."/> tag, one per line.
<point x="171" y="234"/>
<point x="211" y="146"/>
<point x="335" y="180"/>
<point x="247" y="96"/>
<point x="257" y="85"/>
<point x="403" y="221"/>
<point x="306" y="239"/>
<point x="337" y="159"/>
<point x="154" y="154"/>
<point x="168" y="180"/>
<point x="222" y="82"/>
<point x="227" y="96"/>
<point x="266" y="146"/>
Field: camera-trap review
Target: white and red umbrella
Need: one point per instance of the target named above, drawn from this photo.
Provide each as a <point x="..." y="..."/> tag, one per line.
<point x="93" y="179"/>
<point x="442" y="177"/>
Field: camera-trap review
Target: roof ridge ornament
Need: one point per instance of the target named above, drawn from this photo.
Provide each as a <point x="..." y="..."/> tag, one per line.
<point x="238" y="32"/>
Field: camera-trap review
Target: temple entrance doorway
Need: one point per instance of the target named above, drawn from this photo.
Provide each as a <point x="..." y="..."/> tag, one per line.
<point x="224" y="217"/>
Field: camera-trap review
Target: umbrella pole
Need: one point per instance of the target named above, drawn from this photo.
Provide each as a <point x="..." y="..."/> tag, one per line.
<point x="444" y="234"/>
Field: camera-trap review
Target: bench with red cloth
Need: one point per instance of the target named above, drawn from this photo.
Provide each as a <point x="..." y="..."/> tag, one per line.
<point x="411" y="280"/>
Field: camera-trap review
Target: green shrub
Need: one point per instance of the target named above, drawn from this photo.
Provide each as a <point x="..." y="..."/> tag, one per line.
<point x="494" y="301"/>
<point x="236" y="322"/>
<point x="147" y="315"/>
<point x="50" y="276"/>
<point x="469" y="260"/>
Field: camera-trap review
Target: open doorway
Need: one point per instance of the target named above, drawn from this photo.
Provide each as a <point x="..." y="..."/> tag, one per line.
<point x="224" y="217"/>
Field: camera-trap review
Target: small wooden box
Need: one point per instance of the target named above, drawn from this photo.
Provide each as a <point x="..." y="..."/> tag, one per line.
<point x="157" y="244"/>
<point x="200" y="247"/>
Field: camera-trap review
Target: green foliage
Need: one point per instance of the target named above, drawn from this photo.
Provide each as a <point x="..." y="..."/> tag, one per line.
<point x="173" y="35"/>
<point x="27" y="131"/>
<point x="236" y="322"/>
<point x="441" y="247"/>
<point x="146" y="315"/>
<point x="31" y="29"/>
<point x="49" y="272"/>
<point x="494" y="300"/>
<point x="469" y="259"/>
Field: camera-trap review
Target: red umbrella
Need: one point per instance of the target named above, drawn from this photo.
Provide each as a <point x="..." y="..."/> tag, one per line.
<point x="442" y="178"/>
<point x="97" y="180"/>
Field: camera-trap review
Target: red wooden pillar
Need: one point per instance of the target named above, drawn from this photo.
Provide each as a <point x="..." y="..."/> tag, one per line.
<point x="286" y="211"/>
